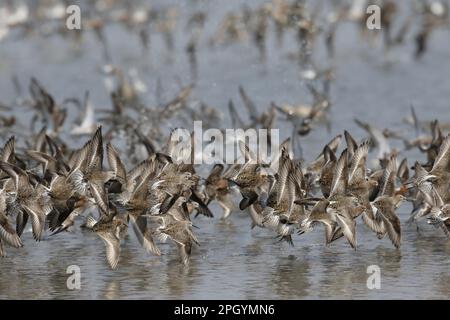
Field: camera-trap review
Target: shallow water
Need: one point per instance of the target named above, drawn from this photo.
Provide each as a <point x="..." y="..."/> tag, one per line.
<point x="234" y="261"/>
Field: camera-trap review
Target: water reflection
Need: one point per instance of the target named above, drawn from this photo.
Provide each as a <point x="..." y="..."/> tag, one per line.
<point x="112" y="290"/>
<point x="389" y="259"/>
<point x="177" y="279"/>
<point x="291" y="278"/>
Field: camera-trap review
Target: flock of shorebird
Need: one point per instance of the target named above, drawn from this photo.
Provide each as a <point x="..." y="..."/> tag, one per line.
<point x="145" y="185"/>
<point x="51" y="186"/>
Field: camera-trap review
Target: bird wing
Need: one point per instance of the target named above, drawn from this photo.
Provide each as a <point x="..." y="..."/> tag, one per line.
<point x="8" y="151"/>
<point x="443" y="158"/>
<point x="37" y="220"/>
<point x="116" y="164"/>
<point x="143" y="233"/>
<point x="348" y="227"/>
<point x="358" y="166"/>
<point x="98" y="192"/>
<point x="392" y="224"/>
<point x="389" y="176"/>
<point x="112" y="244"/>
<point x="9" y="235"/>
<point x="339" y="183"/>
